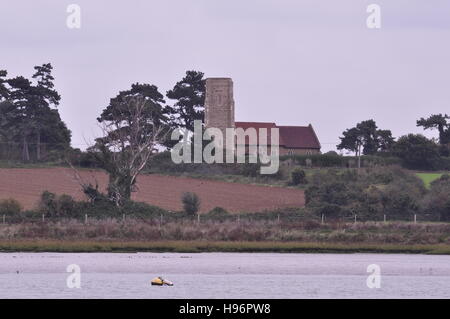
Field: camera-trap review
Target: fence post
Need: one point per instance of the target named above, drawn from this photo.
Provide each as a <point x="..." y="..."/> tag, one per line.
<point x="322" y="218"/>
<point x="415" y="219"/>
<point x="4" y="219"/>
<point x="123" y="217"/>
<point x="238" y="219"/>
<point x="385" y="218"/>
<point x="355" y="218"/>
<point x="198" y="219"/>
<point x="85" y="218"/>
<point x="278" y="218"/>
<point x="43" y="218"/>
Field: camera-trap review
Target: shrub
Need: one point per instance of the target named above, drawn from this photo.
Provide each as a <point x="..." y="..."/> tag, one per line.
<point x="65" y="205"/>
<point x="401" y="198"/>
<point x="47" y="203"/>
<point x="336" y="193"/>
<point x="107" y="209"/>
<point x="10" y="207"/>
<point x="417" y="152"/>
<point x="331" y="212"/>
<point x="332" y="159"/>
<point x="93" y="194"/>
<point x="298" y="176"/>
<point x="53" y="205"/>
<point x="140" y="209"/>
<point x="251" y="170"/>
<point x="437" y="202"/>
<point x="370" y="193"/>
<point x="191" y="203"/>
<point x="218" y="213"/>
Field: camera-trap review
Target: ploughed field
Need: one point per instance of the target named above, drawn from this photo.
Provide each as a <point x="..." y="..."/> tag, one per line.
<point x="26" y="186"/>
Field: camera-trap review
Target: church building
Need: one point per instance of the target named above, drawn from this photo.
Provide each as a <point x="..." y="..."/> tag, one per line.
<point x="219" y="113"/>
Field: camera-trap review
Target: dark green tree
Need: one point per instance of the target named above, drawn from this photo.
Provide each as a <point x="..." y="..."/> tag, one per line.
<point x="45" y="97"/>
<point x="30" y="113"/>
<point x="4" y="92"/>
<point x="189" y="94"/>
<point x="118" y="111"/>
<point x="437" y="201"/>
<point x="18" y="116"/>
<point x="191" y="203"/>
<point x="298" y="176"/>
<point x="4" y="104"/>
<point x="352" y="140"/>
<point x="55" y="132"/>
<point x="385" y="140"/>
<point x="439" y="122"/>
<point x="369" y="133"/>
<point x="417" y="151"/>
<point x="366" y="137"/>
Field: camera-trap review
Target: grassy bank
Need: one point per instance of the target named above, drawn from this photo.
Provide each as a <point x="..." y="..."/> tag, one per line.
<point x="219" y="246"/>
<point x="227" y="236"/>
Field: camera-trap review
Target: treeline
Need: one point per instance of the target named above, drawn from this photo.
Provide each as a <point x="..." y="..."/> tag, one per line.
<point x="31" y="128"/>
<point x="30" y="125"/>
<point x="415" y="151"/>
<point x="376" y="194"/>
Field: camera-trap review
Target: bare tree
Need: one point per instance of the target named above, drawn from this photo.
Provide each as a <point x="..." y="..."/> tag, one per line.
<point x="89" y="189"/>
<point x="129" y="139"/>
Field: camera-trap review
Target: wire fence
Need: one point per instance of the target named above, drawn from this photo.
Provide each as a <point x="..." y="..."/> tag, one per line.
<point x="205" y="218"/>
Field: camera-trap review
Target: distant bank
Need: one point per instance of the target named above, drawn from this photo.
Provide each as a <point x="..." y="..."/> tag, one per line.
<point x="214" y="246"/>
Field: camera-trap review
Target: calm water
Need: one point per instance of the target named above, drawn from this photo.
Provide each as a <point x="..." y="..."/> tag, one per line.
<point x="224" y="275"/>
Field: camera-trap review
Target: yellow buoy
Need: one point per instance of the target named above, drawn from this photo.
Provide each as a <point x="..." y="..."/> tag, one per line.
<point x="158" y="281"/>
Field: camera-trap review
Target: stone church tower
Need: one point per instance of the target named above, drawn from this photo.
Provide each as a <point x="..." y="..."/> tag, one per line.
<point x="219" y="113"/>
<point x="219" y="104"/>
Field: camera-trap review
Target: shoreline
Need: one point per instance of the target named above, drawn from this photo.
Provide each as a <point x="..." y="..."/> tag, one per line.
<point x="55" y="246"/>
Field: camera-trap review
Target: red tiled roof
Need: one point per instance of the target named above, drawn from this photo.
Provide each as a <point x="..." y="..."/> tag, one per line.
<point x="299" y="137"/>
<point x="256" y="125"/>
<point x="290" y="136"/>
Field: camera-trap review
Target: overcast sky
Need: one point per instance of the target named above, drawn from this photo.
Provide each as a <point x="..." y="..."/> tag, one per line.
<point x="293" y="62"/>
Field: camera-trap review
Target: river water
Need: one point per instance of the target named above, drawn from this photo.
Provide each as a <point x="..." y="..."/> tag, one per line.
<point x="224" y="275"/>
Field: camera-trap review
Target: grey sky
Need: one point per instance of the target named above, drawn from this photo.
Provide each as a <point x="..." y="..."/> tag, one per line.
<point x="293" y="62"/>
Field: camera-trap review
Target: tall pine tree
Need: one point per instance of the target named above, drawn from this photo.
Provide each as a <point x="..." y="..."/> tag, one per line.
<point x="29" y="113"/>
<point x="189" y="94"/>
<point x="45" y="97"/>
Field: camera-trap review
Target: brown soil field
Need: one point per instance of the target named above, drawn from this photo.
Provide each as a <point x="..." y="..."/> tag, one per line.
<point x="26" y="186"/>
